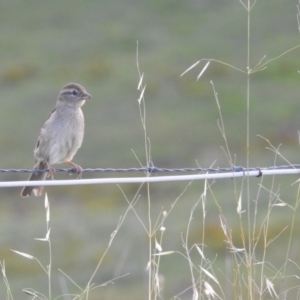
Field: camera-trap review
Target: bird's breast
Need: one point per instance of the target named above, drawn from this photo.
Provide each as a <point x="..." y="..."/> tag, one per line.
<point x="61" y="137"/>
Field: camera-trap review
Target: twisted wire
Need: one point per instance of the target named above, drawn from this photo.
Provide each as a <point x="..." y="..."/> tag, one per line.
<point x="154" y="169"/>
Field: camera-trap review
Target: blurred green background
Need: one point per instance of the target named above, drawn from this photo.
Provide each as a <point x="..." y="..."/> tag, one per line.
<point x="46" y="44"/>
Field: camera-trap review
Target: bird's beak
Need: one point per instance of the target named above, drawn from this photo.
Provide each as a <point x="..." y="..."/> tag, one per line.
<point x="86" y="96"/>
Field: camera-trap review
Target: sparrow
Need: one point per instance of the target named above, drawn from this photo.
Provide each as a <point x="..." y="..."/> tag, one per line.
<point x="61" y="135"/>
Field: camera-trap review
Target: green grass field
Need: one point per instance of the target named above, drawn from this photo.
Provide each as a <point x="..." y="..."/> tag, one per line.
<point x="46" y="44"/>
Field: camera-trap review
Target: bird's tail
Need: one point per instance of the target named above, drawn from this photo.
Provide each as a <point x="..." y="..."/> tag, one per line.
<point x="37" y="190"/>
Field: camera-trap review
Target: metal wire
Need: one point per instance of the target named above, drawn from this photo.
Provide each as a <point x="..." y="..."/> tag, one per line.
<point x="201" y="174"/>
<point x="154" y="170"/>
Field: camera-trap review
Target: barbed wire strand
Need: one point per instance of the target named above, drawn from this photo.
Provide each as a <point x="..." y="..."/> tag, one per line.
<point x="205" y="174"/>
<point x="153" y="169"/>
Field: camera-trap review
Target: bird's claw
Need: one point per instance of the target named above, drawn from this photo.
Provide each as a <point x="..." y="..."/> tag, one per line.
<point x="51" y="172"/>
<point x="78" y="170"/>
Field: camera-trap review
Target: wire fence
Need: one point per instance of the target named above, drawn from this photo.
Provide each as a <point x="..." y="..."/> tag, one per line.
<point x="151" y="175"/>
<point x="153" y="170"/>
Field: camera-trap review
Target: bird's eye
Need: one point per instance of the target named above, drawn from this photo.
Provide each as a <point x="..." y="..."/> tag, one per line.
<point x="74" y="93"/>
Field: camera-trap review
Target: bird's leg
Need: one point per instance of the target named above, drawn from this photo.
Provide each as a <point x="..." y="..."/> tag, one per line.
<point x="51" y="171"/>
<point x="77" y="167"/>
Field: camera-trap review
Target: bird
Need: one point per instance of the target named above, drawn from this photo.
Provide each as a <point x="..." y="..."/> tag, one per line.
<point x="61" y="135"/>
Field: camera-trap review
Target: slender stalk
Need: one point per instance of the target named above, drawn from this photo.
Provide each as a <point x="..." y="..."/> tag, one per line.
<point x="249" y="256"/>
<point x="142" y="109"/>
<point x="49" y="269"/>
<point x="47" y="206"/>
<point x="292" y="224"/>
